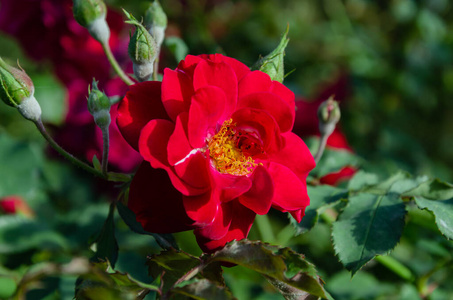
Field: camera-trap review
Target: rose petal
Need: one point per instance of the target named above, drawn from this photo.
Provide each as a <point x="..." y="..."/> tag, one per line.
<point x="188" y="64"/>
<point x="220" y="75"/>
<point x="206" y="110"/>
<point x="158" y="206"/>
<point x="295" y="155"/>
<point x="177" y="91"/>
<point x="219" y="225"/>
<point x="242" y="220"/>
<point x="194" y="171"/>
<point x="264" y="123"/>
<point x="153" y="142"/>
<point x="239" y="68"/>
<point x="259" y="197"/>
<point x="202" y="208"/>
<point x="178" y="146"/>
<point x="298" y="214"/>
<point x="226" y="187"/>
<point x="283" y="92"/>
<point x="290" y="193"/>
<point x="141" y="104"/>
<point x="254" y="82"/>
<point x="278" y="108"/>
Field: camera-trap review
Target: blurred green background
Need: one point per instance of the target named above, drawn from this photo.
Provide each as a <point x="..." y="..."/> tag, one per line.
<point x="397" y="56"/>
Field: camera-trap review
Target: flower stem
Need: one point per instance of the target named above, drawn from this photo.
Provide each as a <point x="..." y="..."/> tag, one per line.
<point x="65" y="154"/>
<point x="115" y="65"/>
<point x="395" y="266"/>
<point x="105" y="151"/>
<point x="265" y="228"/>
<point x="156" y="68"/>
<point x="321" y="147"/>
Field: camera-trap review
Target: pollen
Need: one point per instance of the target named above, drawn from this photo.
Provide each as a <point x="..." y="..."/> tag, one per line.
<point x="227" y="153"/>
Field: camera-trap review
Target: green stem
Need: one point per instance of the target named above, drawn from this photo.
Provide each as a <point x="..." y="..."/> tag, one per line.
<point x="156" y="68"/>
<point x="265" y="228"/>
<point x="105" y="151"/>
<point x="395" y="266"/>
<point x="115" y="65"/>
<point x="321" y="147"/>
<point x="65" y="154"/>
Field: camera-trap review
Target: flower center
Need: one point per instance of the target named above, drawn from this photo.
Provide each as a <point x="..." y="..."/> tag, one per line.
<point x="231" y="149"/>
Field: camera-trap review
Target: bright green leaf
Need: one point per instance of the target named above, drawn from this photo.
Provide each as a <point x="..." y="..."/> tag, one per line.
<point x="368" y="226"/>
<point x="432" y="189"/>
<point x="320" y="197"/>
<point x="443" y="212"/>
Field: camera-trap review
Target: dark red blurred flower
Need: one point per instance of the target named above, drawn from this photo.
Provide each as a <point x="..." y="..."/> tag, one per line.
<point x="47" y="31"/>
<point x="223" y="135"/>
<point x="15" y="205"/>
<point x="306" y="124"/>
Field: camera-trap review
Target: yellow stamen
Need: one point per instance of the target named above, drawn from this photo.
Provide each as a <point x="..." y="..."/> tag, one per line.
<point x="226" y="156"/>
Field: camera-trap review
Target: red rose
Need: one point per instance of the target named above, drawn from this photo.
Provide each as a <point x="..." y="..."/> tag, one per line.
<point x="223" y="135"/>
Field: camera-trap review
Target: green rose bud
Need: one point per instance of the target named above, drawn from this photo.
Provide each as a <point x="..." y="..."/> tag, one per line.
<point x="16" y="90"/>
<point x="272" y="64"/>
<point x="328" y="114"/>
<point x="91" y="14"/>
<point x="142" y="50"/>
<point x="99" y="106"/>
<point x="156" y="22"/>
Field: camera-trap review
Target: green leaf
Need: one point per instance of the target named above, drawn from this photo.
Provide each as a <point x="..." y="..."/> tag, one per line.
<point x="171" y="265"/>
<point x="106" y="244"/>
<point x="443" y="212"/>
<point x="432" y="189"/>
<point x="177" y="47"/>
<point x="18" y="234"/>
<point x="97" y="163"/>
<point x="369" y="225"/>
<point x="201" y="289"/>
<point x="7" y="287"/>
<point x="362" y="180"/>
<point x="321" y="196"/>
<point x="281" y="265"/>
<point x="104" y="283"/>
<point x="166" y="241"/>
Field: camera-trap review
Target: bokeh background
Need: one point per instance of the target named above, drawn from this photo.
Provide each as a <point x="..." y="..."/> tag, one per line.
<point x="389" y="62"/>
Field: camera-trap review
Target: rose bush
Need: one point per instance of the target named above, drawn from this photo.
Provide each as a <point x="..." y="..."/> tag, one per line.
<point x="218" y="149"/>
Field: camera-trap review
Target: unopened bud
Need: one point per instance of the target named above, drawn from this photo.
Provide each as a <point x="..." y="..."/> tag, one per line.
<point x="142" y="50"/>
<point x="91" y="14"/>
<point x="99" y="106"/>
<point x="156" y="22"/>
<point x="328" y="114"/>
<point x="16" y="90"/>
<point x="273" y="64"/>
<point x="15" y="205"/>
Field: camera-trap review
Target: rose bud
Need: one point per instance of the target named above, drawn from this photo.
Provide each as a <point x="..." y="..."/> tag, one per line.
<point x="15" y="205"/>
<point x="17" y="90"/>
<point x="328" y="114"/>
<point x="156" y="22"/>
<point x="99" y="106"/>
<point x="142" y="50"/>
<point x="91" y="14"/>
<point x="272" y="64"/>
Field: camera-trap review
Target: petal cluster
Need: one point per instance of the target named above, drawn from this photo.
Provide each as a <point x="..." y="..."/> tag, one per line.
<point x="218" y="149"/>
